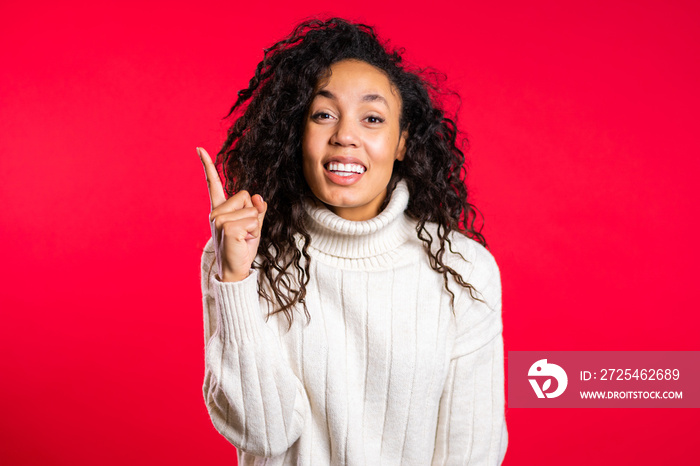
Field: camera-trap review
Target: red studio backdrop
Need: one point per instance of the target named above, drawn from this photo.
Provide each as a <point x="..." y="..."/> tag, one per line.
<point x="582" y="119"/>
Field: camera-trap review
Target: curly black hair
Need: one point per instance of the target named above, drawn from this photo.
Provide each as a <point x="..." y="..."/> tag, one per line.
<point x="262" y="153"/>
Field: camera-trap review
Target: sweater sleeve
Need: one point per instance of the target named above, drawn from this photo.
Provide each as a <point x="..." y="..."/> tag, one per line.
<point x="471" y="419"/>
<point x="253" y="397"/>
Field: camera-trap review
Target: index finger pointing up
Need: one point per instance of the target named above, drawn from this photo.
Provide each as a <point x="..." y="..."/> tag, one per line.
<point x="216" y="189"/>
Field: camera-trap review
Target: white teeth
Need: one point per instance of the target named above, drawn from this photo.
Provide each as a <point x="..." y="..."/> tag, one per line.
<point x="345" y="169"/>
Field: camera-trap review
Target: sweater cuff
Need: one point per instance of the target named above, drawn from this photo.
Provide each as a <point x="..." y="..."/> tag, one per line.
<point x="238" y="308"/>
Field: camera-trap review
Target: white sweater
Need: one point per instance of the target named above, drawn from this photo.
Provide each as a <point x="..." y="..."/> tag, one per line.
<point x="384" y="374"/>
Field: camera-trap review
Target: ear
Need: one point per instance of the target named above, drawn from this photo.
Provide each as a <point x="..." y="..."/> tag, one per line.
<point x="401" y="149"/>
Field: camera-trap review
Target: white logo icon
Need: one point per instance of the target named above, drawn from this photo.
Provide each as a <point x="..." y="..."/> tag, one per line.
<point x="542" y="369"/>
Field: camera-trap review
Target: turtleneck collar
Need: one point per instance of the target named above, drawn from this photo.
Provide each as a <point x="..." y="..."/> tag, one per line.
<point x="334" y="236"/>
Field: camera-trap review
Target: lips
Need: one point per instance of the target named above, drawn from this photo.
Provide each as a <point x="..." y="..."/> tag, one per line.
<point x="344" y="170"/>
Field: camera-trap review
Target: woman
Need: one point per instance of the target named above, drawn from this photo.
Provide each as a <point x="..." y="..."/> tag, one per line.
<point x="345" y="202"/>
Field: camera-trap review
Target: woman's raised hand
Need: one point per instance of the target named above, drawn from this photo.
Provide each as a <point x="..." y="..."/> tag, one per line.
<point x="235" y="225"/>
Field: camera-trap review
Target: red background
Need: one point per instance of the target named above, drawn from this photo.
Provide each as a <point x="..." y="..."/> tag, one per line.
<point x="583" y="123"/>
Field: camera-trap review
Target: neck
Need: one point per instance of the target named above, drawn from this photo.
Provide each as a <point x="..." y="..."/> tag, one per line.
<point x="359" y="213"/>
<point x="339" y="237"/>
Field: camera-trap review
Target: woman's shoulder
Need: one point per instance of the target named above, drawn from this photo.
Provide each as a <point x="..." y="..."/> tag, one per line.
<point x="469" y="258"/>
<point x="463" y="253"/>
<point x="477" y="310"/>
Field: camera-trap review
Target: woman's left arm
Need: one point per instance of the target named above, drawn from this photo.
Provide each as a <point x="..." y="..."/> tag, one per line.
<point x="471" y="421"/>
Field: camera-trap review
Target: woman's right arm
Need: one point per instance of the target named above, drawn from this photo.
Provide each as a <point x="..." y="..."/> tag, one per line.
<point x="253" y="397"/>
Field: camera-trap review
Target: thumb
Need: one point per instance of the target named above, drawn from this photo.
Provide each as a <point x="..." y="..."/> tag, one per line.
<point x="261" y="205"/>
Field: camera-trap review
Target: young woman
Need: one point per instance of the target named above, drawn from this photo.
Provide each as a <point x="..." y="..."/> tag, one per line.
<point x="348" y="319"/>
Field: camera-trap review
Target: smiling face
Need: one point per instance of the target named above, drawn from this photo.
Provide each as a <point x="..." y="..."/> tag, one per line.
<point x="351" y="139"/>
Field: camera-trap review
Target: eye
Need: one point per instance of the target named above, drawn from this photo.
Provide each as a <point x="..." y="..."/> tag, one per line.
<point x="321" y="116"/>
<point x="374" y="119"/>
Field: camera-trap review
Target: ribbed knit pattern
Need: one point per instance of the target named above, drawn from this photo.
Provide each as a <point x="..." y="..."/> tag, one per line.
<point x="384" y="374"/>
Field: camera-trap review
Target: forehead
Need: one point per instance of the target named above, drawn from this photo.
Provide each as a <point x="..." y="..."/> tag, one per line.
<point x="355" y="80"/>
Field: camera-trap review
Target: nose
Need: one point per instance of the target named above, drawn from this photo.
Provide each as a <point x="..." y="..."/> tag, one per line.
<point x="345" y="134"/>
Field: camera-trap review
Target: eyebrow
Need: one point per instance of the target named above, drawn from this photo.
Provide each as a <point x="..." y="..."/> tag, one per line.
<point x="365" y="98"/>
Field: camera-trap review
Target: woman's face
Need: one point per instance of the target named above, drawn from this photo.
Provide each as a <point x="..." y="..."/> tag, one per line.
<point x="351" y="139"/>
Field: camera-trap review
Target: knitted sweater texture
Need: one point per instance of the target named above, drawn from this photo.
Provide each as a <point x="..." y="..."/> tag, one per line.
<point x="385" y="373"/>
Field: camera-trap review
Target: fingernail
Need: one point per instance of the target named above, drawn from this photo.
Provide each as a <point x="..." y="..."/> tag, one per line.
<point x="199" y="152"/>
